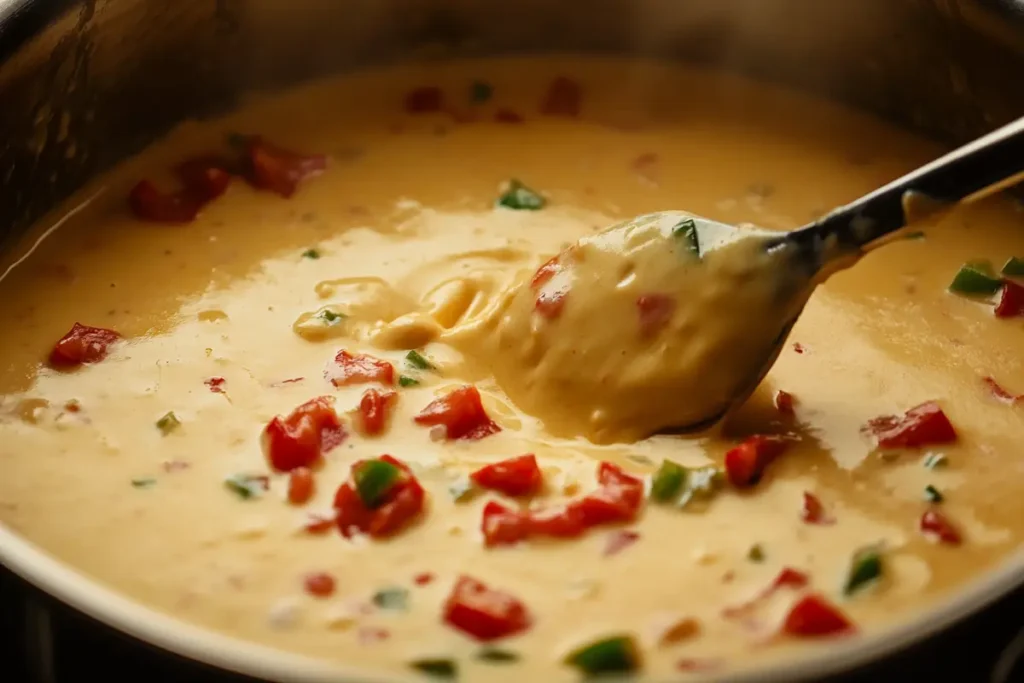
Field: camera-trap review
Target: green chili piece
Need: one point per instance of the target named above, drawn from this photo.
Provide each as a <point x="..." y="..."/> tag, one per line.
<point x="168" y="423"/>
<point x="407" y="381"/>
<point x="311" y="254"/>
<point x="615" y="654"/>
<point x="520" y="197"/>
<point x="246" y="486"/>
<point x="391" y="598"/>
<point x="932" y="494"/>
<point x="144" y="483"/>
<point x="668" y="481"/>
<point x="418" y="361"/>
<point x="865" y="568"/>
<point x="1014" y="267"/>
<point x="374" y="479"/>
<point x="975" y="278"/>
<point x="756" y="553"/>
<point x="497" y="656"/>
<point x="330" y="317"/>
<point x="480" y="92"/>
<point x="686" y="232"/>
<point x="436" y="668"/>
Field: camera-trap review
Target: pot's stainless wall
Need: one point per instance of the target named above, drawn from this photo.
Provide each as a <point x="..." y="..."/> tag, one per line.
<point x="85" y="83"/>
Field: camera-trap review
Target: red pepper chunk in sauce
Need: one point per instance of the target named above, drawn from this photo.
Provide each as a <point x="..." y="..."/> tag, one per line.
<point x="303" y="436"/>
<point x="375" y="408"/>
<point x="922" y="425"/>
<point x="1000" y="392"/>
<point x="519" y="476"/>
<point x="81" y="345"/>
<point x="203" y="179"/>
<point x="564" y="97"/>
<point x="349" y="368"/>
<point x="745" y="464"/>
<point x="785" y="402"/>
<point x="301" y="485"/>
<point x="319" y="584"/>
<point x="934" y="524"/>
<point x="814" y="616"/>
<point x="424" y="100"/>
<point x="462" y="414"/>
<point x="786" y="578"/>
<point x="813" y="512"/>
<point x="402" y="503"/>
<point x="655" y="311"/>
<point x="279" y="170"/>
<point x="484" y="613"/>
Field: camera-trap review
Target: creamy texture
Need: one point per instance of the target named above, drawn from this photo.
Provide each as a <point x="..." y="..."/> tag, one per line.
<point x="412" y="251"/>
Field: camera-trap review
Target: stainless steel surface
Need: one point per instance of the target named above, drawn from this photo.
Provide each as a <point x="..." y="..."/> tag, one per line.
<point x="84" y="83"/>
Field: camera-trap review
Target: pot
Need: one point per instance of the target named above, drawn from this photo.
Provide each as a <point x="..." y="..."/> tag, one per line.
<point x="85" y="83"/>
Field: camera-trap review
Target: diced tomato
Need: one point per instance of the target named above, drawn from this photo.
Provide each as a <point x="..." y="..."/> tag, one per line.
<point x="83" y="344"/>
<point x="745" y="464"/>
<point x="484" y="613"/>
<point x="507" y="116"/>
<point x="999" y="392"/>
<point x="301" y="438"/>
<point x="546" y="271"/>
<point x="922" y="425"/>
<point x="205" y="177"/>
<point x="563" y="98"/>
<point x="300" y="485"/>
<point x="319" y="584"/>
<point x="461" y="412"/>
<point x="786" y="578"/>
<point x="374" y="410"/>
<point x="1011" y="300"/>
<point x="934" y="524"/>
<point x="785" y="402"/>
<point x="813" y="512"/>
<point x="813" y="615"/>
<point x="279" y="170"/>
<point x="519" y="476"/>
<point x="620" y="540"/>
<point x="216" y="384"/>
<point x="655" y="311"/>
<point x="423" y="578"/>
<point x="402" y="503"/>
<point x="150" y="203"/>
<point x="502" y="525"/>
<point x="424" y="100"/>
<point x="349" y="368"/>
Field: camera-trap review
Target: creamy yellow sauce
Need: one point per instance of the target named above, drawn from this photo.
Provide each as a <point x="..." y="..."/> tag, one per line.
<point x="414" y="252"/>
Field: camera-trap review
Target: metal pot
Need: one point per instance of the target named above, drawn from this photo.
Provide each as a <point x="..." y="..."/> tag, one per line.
<point x="84" y="83"/>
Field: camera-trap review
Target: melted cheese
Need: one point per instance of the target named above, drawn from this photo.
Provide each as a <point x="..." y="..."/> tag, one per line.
<point x="413" y="252"/>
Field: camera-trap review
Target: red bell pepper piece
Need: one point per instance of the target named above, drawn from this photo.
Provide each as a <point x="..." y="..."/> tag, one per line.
<point x="461" y="412"/>
<point x="349" y="368"/>
<point x="82" y="344"/>
<point x="402" y="503"/>
<point x="934" y="524"/>
<point x="484" y="613"/>
<point x="374" y="410"/>
<point x="1011" y="300"/>
<point x="502" y="525"/>
<point x="301" y="438"/>
<point x="279" y="170"/>
<point x="519" y="476"/>
<point x="655" y="311"/>
<point x="922" y="425"/>
<point x="745" y="464"/>
<point x="813" y="616"/>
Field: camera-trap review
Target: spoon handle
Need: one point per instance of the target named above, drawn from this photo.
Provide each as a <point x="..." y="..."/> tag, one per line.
<point x="987" y="164"/>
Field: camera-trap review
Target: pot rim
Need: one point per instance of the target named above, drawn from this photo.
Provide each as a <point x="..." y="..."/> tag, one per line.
<point x="263" y="662"/>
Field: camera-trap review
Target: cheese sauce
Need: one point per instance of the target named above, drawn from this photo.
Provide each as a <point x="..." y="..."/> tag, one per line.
<point x="233" y="318"/>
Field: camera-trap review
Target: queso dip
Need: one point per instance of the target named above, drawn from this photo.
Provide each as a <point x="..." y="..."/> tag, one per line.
<point x="210" y="351"/>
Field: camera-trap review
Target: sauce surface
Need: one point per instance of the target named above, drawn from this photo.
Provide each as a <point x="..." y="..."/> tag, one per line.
<point x="400" y="242"/>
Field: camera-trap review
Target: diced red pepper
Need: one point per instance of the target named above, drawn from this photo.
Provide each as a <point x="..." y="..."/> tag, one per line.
<point x="934" y="524"/>
<point x="1011" y="300"/>
<point x="280" y="170"/>
<point x="922" y="425"/>
<point x="349" y="368"/>
<point x="82" y="344"/>
<point x="503" y="525"/>
<point x="567" y="521"/>
<point x="786" y="578"/>
<point x="745" y="464"/>
<point x="320" y="524"/>
<point x="205" y="177"/>
<point x="423" y="578"/>
<point x="319" y="584"/>
<point x="216" y="384"/>
<point x="374" y="410"/>
<point x="300" y="485"/>
<point x="150" y="203"/>
<point x="302" y="437"/>
<point x="507" y="116"/>
<point x="403" y="502"/>
<point x="1001" y="393"/>
<point x="546" y="272"/>
<point x="785" y="402"/>
<point x="564" y="97"/>
<point x="655" y="311"/>
<point x="424" y="100"/>
<point x="519" y="476"/>
<point x="799" y="348"/>
<point x="461" y="412"/>
<point x="619" y="540"/>
<point x="484" y="613"/>
<point x="550" y="303"/>
<point x="813" y="512"/>
<point x="813" y="615"/>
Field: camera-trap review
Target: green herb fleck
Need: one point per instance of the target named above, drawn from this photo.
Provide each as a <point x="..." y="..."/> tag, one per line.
<point x="617" y="654"/>
<point x="311" y="254"/>
<point x="144" y="483"/>
<point x="246" y="486"/>
<point x="932" y="494"/>
<point x="168" y="423"/>
<point x="668" y="482"/>
<point x="330" y="317"/>
<point x="418" y="361"/>
<point x="756" y="553"/>
<point x="497" y="656"/>
<point x="933" y="460"/>
<point x="480" y="92"/>
<point x="407" y="381"/>
<point x="915" y="235"/>
<point x="393" y="598"/>
<point x="436" y="668"/>
<point x="686" y="232"/>
<point x="975" y="278"/>
<point x="462" y="489"/>
<point x="374" y="479"/>
<point x="865" y="568"/>
<point x="1014" y="267"/>
<point x="519" y="197"/>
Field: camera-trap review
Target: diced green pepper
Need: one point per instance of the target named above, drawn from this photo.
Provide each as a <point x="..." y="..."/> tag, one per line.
<point x="497" y="656"/>
<point x="168" y="423"/>
<point x="686" y="232"/>
<point x="865" y="568"/>
<point x="330" y="317"/>
<point x="418" y="361"/>
<point x="616" y="654"/>
<point x="756" y="553"/>
<point x="462" y="489"/>
<point x="975" y="278"/>
<point x="668" y="482"/>
<point x="436" y="668"/>
<point x="932" y="494"/>
<point x="144" y="483"/>
<point x="1014" y="267"/>
<point x="394" y="598"/>
<point x="311" y="254"/>
<point x="480" y="92"/>
<point x="519" y="197"/>
<point x="374" y="479"/>
<point x="407" y="381"/>
<point x="246" y="486"/>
